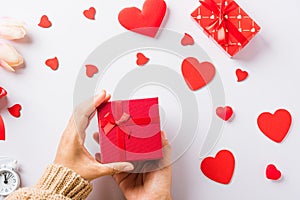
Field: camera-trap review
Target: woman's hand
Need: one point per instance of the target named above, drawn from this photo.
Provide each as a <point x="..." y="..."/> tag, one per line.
<point x="153" y="180"/>
<point x="71" y="152"/>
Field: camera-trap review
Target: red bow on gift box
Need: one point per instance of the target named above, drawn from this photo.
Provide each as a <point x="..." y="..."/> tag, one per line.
<point x="221" y="25"/>
<point x="108" y="123"/>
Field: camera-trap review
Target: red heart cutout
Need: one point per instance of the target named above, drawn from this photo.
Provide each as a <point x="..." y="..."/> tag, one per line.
<point x="45" y="22"/>
<point x="3" y="92"/>
<point x="220" y="168"/>
<point x="272" y="172"/>
<point x="91" y="70"/>
<point x="241" y="75"/>
<point x="141" y="59"/>
<point x="224" y="113"/>
<point x="90" y="13"/>
<point x="187" y="40"/>
<point x="146" y="22"/>
<point x="52" y="63"/>
<point x="196" y="74"/>
<point x="275" y="126"/>
<point x="2" y="129"/>
<point x="15" y="110"/>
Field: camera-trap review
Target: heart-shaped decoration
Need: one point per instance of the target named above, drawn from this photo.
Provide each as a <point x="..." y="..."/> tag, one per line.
<point x="220" y="168"/>
<point x="241" y="75"/>
<point x="272" y="172"/>
<point x="2" y="129"/>
<point x="147" y="21"/>
<point x="15" y="110"/>
<point x="3" y="92"/>
<point x="141" y="59"/>
<point x="52" y="63"/>
<point x="90" y="13"/>
<point x="275" y="126"/>
<point x="45" y="22"/>
<point x="91" y="70"/>
<point x="224" y="113"/>
<point x="187" y="40"/>
<point x="197" y="75"/>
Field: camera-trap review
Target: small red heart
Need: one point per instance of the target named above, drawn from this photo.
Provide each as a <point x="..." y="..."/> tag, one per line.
<point x="45" y="22"/>
<point x="241" y="75"/>
<point x="15" y="110"/>
<point x="91" y="70"/>
<point x="141" y="59"/>
<point x="52" y="63"/>
<point x="3" y="92"/>
<point x="220" y="168"/>
<point x="90" y="13"/>
<point x="187" y="40"/>
<point x="197" y="75"/>
<point x="275" y="126"/>
<point x="147" y="21"/>
<point x="224" y="113"/>
<point x="2" y="129"/>
<point x="272" y="172"/>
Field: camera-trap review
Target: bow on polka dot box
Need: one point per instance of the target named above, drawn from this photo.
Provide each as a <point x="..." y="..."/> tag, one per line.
<point x="227" y="23"/>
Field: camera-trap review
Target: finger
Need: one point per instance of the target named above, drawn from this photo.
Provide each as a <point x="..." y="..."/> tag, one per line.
<point x="167" y="152"/>
<point x="96" y="137"/>
<point x="116" y="168"/>
<point x="164" y="139"/>
<point x="98" y="157"/>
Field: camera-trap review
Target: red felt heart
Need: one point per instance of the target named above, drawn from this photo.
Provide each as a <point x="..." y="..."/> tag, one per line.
<point x="147" y="21"/>
<point x="91" y="70"/>
<point x="241" y="75"/>
<point x="2" y="129"/>
<point x="52" y="63"/>
<point x="224" y="113"/>
<point x="275" y="126"/>
<point x="3" y="92"/>
<point x="220" y="168"/>
<point x="141" y="59"/>
<point x="187" y="40"/>
<point x="196" y="74"/>
<point x="45" y="22"/>
<point x="15" y="110"/>
<point x="272" y="172"/>
<point x="90" y="13"/>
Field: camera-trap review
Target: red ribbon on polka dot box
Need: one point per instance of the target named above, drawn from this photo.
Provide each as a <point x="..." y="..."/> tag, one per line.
<point x="227" y="23"/>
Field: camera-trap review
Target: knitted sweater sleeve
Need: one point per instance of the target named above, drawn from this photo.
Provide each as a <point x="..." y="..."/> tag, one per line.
<point x="57" y="183"/>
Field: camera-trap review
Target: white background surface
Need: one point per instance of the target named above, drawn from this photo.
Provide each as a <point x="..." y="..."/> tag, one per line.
<point x="46" y="96"/>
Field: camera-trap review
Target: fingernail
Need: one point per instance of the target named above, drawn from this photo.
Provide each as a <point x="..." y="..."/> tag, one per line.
<point x="164" y="135"/>
<point x="128" y="167"/>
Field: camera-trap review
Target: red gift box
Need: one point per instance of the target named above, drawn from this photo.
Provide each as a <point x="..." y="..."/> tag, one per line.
<point x="227" y="23"/>
<point x="130" y="130"/>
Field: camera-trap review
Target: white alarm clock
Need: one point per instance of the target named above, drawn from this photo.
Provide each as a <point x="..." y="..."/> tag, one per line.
<point x="9" y="178"/>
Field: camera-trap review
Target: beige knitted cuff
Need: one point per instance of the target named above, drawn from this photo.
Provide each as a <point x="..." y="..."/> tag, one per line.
<point x="61" y="180"/>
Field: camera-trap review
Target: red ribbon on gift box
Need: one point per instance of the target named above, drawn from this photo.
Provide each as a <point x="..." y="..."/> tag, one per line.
<point x="221" y="24"/>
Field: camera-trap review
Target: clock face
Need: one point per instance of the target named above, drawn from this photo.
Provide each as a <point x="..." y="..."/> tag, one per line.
<point x="9" y="181"/>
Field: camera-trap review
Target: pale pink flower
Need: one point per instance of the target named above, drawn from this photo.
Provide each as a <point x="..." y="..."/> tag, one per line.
<point x="9" y="57"/>
<point x="12" y="29"/>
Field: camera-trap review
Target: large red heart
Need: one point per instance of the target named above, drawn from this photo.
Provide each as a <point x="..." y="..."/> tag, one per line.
<point x="45" y="22"/>
<point x="2" y="129"/>
<point x="196" y="74"/>
<point x="52" y="63"/>
<point x="275" y="126"/>
<point x="15" y="110"/>
<point x="147" y="21"/>
<point x="220" y="168"/>
<point x="90" y="13"/>
<point x="272" y="172"/>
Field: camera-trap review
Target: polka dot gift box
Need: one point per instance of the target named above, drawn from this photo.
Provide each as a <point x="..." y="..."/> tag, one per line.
<point x="227" y="23"/>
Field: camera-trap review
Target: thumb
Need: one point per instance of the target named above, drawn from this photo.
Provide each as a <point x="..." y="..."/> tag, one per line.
<point x="115" y="168"/>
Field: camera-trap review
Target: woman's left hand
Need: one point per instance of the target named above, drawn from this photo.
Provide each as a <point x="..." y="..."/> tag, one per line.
<point x="71" y="151"/>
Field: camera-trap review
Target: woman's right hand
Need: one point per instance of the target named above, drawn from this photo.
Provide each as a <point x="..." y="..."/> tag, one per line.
<point x="147" y="185"/>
